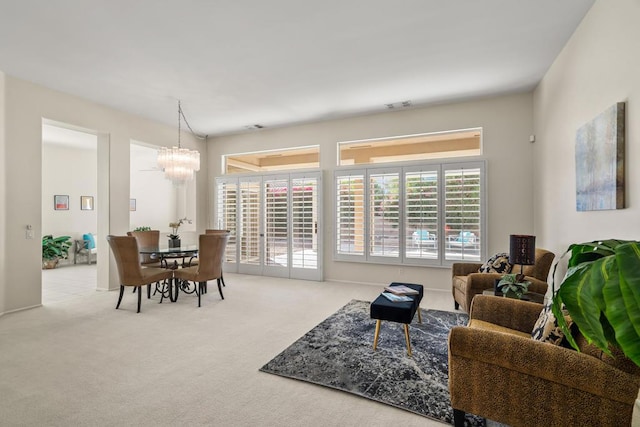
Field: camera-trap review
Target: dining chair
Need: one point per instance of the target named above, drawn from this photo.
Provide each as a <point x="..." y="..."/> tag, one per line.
<point x="218" y="231"/>
<point x="149" y="238"/>
<point x="210" y="253"/>
<point x="130" y="272"/>
<point x="194" y="260"/>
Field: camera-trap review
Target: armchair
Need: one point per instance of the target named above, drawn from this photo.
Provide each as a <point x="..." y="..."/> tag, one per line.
<point x="497" y="371"/>
<point x="87" y="246"/>
<point x="467" y="282"/>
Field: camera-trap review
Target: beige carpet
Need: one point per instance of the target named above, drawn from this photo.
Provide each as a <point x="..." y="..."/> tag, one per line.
<point x="80" y="362"/>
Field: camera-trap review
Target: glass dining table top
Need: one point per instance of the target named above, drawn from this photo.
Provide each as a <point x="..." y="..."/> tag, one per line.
<point x="184" y="250"/>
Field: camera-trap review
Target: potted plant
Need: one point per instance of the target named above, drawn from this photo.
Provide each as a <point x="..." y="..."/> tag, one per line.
<point x="54" y="248"/>
<point x="174" y="238"/>
<point x="513" y="285"/>
<point x="144" y="228"/>
<point x="601" y="293"/>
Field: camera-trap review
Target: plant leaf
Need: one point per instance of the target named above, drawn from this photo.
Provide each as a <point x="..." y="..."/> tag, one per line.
<point x="628" y="258"/>
<point x="588" y="252"/>
<point x="622" y="305"/>
<point x="556" y="308"/>
<point x="577" y="294"/>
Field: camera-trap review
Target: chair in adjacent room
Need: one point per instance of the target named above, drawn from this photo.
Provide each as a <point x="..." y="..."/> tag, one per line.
<point x="130" y="272"/>
<point x="467" y="281"/>
<point x="85" y="247"/>
<point x="211" y="254"/>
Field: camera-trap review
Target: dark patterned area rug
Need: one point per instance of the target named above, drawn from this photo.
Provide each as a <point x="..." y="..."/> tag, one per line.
<point x="338" y="353"/>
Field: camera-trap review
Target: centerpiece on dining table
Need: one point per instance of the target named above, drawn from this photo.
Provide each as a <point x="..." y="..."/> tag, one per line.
<point x="174" y="238"/>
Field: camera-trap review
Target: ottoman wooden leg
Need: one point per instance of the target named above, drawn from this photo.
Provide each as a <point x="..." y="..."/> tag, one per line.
<point x="375" y="337"/>
<point x="419" y="315"/>
<point x="406" y="336"/>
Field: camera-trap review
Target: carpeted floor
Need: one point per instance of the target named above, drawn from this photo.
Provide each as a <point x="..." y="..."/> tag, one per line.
<point x="338" y="353"/>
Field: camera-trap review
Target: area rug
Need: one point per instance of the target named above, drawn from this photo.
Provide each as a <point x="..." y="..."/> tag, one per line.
<point x="338" y="353"/>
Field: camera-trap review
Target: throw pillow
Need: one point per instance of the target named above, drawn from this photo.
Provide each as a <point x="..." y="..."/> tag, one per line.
<point x="91" y="243"/>
<point x="499" y="263"/>
<point x="546" y="328"/>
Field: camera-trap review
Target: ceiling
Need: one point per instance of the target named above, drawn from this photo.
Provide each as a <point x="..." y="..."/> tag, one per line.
<point x="235" y="64"/>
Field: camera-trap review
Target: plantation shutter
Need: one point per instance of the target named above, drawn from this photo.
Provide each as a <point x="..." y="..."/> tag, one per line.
<point x="227" y="215"/>
<point x="463" y="215"/>
<point x="384" y="214"/>
<point x="304" y="222"/>
<point x="421" y="214"/>
<point x="350" y="213"/>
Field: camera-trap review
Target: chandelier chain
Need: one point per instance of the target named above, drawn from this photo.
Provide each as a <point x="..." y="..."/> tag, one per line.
<point x="181" y="113"/>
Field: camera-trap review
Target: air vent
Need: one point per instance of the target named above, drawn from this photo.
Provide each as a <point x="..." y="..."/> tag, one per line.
<point x="253" y="127"/>
<point x="401" y="104"/>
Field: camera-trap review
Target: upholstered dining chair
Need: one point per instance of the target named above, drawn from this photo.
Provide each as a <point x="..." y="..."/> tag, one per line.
<point x="210" y="253"/>
<point x="218" y="231"/>
<point x="149" y="238"/>
<point x="194" y="261"/>
<point x="130" y="272"/>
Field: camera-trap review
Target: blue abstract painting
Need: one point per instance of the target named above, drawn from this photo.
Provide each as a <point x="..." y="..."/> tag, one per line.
<point x="600" y="161"/>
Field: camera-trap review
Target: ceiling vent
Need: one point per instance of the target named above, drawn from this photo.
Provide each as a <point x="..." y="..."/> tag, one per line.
<point x="254" y="127"/>
<point x="402" y="104"/>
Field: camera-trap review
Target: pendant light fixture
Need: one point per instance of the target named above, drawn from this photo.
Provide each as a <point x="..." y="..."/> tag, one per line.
<point x="179" y="164"/>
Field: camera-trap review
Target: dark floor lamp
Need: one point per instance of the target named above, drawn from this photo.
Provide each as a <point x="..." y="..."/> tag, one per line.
<point x="522" y="250"/>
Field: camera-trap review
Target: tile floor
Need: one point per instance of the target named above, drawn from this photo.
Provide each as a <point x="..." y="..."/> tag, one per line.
<point x="68" y="281"/>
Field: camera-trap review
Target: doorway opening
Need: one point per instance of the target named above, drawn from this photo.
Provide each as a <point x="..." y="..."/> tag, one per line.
<point x="69" y="208"/>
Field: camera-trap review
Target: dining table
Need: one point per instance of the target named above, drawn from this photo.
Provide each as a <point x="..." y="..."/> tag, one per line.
<point x="169" y="257"/>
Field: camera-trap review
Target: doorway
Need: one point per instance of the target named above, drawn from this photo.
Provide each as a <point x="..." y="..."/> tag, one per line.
<point x="69" y="200"/>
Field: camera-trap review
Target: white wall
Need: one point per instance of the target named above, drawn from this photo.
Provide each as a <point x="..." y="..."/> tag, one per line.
<point x="598" y="67"/>
<point x="147" y="183"/>
<point x="507" y="125"/>
<point x="27" y="104"/>
<point x="73" y="172"/>
<point x="3" y="193"/>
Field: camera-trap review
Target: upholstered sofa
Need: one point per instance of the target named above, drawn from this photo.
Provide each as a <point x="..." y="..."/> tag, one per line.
<point x="497" y="371"/>
<point x="467" y="282"/>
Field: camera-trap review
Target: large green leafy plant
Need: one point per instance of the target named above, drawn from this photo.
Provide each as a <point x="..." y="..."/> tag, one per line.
<point x="601" y="292"/>
<point x="55" y="247"/>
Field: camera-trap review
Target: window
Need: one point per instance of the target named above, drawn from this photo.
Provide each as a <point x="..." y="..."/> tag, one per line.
<point x="436" y="145"/>
<point x="428" y="214"/>
<point x="272" y="160"/>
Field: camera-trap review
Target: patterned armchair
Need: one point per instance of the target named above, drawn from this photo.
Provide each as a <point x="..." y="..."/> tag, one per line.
<point x="497" y="371"/>
<point x="467" y="282"/>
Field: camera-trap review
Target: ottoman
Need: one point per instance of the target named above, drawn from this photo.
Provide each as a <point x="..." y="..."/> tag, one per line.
<point x="400" y="312"/>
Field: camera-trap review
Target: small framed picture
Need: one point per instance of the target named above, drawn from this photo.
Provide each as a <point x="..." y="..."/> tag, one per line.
<point x="86" y="203"/>
<point x="132" y="204"/>
<point x="61" y="202"/>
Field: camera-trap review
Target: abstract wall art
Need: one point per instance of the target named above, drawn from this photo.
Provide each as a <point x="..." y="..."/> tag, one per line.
<point x="600" y="161"/>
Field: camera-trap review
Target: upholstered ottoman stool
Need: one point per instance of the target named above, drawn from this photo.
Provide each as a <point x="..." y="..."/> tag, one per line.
<point x="400" y="312"/>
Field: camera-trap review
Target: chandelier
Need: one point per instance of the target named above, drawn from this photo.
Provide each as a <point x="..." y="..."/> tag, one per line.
<point x="179" y="164"/>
